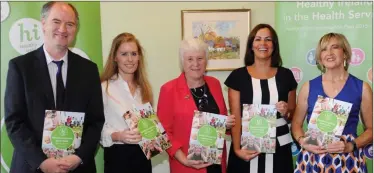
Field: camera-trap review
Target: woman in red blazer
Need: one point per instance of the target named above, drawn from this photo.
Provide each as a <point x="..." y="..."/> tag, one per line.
<point x="178" y="100"/>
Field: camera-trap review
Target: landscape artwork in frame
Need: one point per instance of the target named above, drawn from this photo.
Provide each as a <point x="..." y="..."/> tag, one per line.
<point x="225" y="32"/>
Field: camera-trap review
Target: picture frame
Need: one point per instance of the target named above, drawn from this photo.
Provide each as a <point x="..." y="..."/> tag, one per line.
<point x="224" y="30"/>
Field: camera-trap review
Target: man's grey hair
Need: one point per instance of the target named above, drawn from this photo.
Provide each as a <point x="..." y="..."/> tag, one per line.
<point x="192" y="44"/>
<point x="47" y="8"/>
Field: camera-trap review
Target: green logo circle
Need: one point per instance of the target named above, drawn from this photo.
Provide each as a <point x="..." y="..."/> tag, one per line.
<point x="258" y="126"/>
<point x="147" y="128"/>
<point x="207" y="135"/>
<point x="62" y="137"/>
<point x="327" y="121"/>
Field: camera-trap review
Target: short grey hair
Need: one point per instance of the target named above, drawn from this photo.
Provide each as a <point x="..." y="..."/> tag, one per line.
<point x="47" y="8"/>
<point x="192" y="44"/>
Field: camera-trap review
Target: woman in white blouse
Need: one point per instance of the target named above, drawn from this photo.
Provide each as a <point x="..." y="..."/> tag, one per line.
<point x="124" y="85"/>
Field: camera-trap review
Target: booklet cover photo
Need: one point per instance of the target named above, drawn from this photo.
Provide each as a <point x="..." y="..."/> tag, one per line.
<point x="259" y="124"/>
<point x="154" y="137"/>
<point x="327" y="121"/>
<point x="62" y="133"/>
<point x="207" y="137"/>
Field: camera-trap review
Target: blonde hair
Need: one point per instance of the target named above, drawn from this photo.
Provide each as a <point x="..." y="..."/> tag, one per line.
<point x="343" y="43"/>
<point x="140" y="76"/>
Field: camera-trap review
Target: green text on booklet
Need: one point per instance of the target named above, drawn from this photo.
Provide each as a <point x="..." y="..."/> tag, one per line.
<point x="327" y="121"/>
<point x="207" y="137"/>
<point x="259" y="124"/>
<point x="62" y="133"/>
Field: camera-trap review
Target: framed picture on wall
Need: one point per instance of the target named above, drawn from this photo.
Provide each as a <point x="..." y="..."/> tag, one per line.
<point x="225" y="31"/>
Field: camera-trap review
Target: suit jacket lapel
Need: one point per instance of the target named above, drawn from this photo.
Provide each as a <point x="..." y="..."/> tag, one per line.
<point x="185" y="94"/>
<point x="44" y="78"/>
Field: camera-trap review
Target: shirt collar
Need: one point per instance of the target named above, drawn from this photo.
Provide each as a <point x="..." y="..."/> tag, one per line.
<point x="49" y="58"/>
<point x="118" y="79"/>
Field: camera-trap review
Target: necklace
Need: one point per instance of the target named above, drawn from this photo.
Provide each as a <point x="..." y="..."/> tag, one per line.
<point x="203" y="90"/>
<point x="336" y="85"/>
<point x="202" y="101"/>
<point x="340" y="78"/>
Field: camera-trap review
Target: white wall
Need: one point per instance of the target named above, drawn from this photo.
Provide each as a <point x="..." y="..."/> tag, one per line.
<point x="157" y="25"/>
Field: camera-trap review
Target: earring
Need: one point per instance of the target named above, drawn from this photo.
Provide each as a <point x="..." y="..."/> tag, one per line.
<point x="321" y="66"/>
<point x="345" y="63"/>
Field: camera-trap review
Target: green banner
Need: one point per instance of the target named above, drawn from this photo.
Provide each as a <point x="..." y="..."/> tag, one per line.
<point x="21" y="32"/>
<point x="301" y="24"/>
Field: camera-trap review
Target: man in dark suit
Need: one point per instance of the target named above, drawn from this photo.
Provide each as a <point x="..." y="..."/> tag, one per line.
<point x="52" y="78"/>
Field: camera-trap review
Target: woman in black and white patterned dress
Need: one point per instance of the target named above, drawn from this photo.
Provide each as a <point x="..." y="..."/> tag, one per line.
<point x="262" y="81"/>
